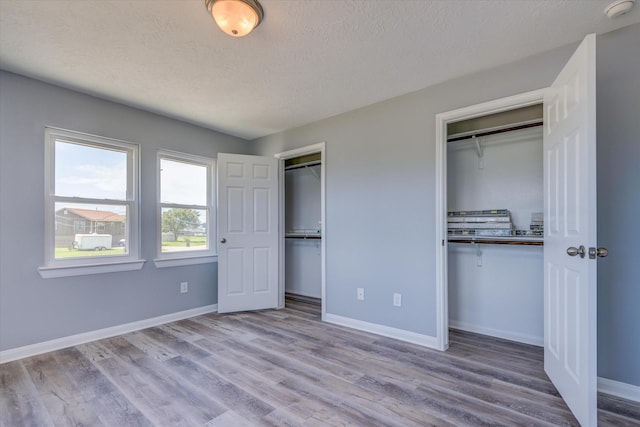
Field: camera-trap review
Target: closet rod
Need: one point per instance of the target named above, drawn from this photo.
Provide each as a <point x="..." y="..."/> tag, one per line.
<point x="495" y="131"/>
<point x="303" y="165"/>
<point x="305" y="237"/>
<point x="489" y="241"/>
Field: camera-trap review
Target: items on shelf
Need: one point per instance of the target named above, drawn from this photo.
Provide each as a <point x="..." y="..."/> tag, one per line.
<point x="501" y="213"/>
<point x="537" y="221"/>
<point x="536" y="228"/>
<point x="493" y="222"/>
<point x="530" y="233"/>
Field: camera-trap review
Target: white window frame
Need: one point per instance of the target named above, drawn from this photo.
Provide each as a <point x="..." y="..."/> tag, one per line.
<point x="90" y="265"/>
<point x="174" y="259"/>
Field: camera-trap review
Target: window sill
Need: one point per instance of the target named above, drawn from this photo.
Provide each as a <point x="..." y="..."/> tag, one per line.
<point x="81" y="270"/>
<point x="177" y="262"/>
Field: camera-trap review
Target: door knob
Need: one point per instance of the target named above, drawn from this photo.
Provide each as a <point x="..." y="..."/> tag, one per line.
<point x="223" y="240"/>
<point x="600" y="252"/>
<point x="573" y="251"/>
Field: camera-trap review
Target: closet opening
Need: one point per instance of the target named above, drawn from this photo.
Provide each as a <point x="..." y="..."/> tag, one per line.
<point x="303" y="229"/>
<point x="302" y="226"/>
<point x="490" y="254"/>
<point x="495" y="226"/>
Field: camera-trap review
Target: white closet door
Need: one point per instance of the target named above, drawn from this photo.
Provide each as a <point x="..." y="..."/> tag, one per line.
<point x="248" y="232"/>
<point x="570" y="215"/>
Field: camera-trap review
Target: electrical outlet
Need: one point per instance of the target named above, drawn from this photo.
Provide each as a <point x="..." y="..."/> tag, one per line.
<point x="184" y="287"/>
<point x="397" y="300"/>
<point x="360" y="294"/>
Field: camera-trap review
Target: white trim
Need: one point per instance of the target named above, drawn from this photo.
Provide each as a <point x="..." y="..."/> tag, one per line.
<point x="441" y="261"/>
<point x="498" y="333"/>
<point x="442" y="120"/>
<point x="82" y="270"/>
<point x="619" y="389"/>
<point x="73" y="340"/>
<point x="385" y="331"/>
<point x="63" y="267"/>
<point x="297" y="152"/>
<point x="210" y="208"/>
<point x="309" y="149"/>
<point x="178" y="262"/>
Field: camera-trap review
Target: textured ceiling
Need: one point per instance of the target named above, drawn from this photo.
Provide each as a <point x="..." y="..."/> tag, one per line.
<point x="308" y="60"/>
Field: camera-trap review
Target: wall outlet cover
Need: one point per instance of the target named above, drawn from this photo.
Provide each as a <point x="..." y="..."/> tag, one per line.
<point x="397" y="300"/>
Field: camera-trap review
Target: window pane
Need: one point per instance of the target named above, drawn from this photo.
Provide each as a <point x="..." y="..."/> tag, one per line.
<point x="85" y="230"/>
<point x="183" y="183"/>
<point x="184" y="230"/>
<point x="90" y="172"/>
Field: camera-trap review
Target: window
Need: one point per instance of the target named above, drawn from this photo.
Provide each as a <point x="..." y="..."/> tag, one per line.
<point x="185" y="207"/>
<point x="79" y="226"/>
<point x="91" y="204"/>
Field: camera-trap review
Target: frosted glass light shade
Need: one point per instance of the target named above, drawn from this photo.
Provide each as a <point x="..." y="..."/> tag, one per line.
<point x="236" y="18"/>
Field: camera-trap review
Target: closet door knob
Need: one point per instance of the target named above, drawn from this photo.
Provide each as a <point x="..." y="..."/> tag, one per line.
<point x="573" y="251"/>
<point x="223" y="240"/>
<point x="600" y="252"/>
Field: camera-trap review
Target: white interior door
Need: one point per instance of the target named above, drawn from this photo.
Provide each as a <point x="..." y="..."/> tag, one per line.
<point x="570" y="215"/>
<point x="247" y="232"/>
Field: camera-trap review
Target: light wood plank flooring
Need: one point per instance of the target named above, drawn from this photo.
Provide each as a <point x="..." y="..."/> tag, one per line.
<point x="286" y="368"/>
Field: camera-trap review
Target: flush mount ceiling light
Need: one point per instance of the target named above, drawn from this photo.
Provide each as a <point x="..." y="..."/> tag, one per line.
<point x="236" y="17"/>
<point x="619" y="8"/>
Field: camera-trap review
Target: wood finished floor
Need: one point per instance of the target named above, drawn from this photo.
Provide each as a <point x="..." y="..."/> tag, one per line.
<point x="286" y="368"/>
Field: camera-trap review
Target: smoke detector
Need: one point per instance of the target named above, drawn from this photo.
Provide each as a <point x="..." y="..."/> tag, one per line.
<point x="619" y="8"/>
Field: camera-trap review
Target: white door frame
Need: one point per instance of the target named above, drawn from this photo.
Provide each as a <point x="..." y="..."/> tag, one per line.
<point x="442" y="120"/>
<point x="285" y="155"/>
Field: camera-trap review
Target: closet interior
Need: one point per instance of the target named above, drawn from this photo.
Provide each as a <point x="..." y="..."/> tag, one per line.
<point x="303" y="228"/>
<point x="495" y="225"/>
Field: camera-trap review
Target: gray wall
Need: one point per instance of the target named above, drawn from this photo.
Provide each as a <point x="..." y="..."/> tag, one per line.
<point x="33" y="309"/>
<point x="619" y="204"/>
<point x="381" y="191"/>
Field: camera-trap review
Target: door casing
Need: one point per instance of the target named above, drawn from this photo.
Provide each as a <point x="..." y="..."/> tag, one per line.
<point x="442" y="120"/>
<point x="283" y="156"/>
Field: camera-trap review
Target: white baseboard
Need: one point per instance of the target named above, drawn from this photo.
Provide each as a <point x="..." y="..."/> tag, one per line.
<point x="507" y="335"/>
<point x="619" y="389"/>
<point x="386" y="331"/>
<point x="70" y="341"/>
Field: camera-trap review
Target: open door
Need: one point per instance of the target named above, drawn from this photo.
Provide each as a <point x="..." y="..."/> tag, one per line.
<point x="247" y="232"/>
<point x="570" y="231"/>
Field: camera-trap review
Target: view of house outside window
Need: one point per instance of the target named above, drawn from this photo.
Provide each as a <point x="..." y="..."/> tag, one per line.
<point x="99" y="232"/>
<point x="185" y="203"/>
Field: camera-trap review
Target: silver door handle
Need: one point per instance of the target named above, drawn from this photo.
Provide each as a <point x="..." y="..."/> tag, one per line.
<point x="600" y="252"/>
<point x="223" y="240"/>
<point x="573" y="251"/>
